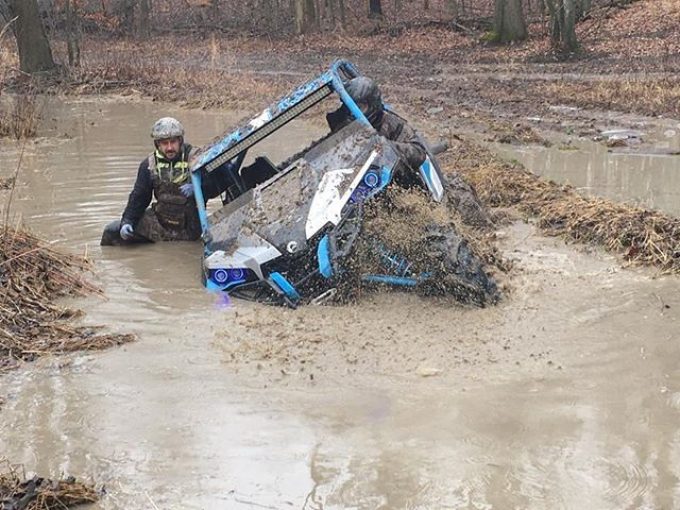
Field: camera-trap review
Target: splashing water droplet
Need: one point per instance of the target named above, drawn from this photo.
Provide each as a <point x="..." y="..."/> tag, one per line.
<point x="223" y="301"/>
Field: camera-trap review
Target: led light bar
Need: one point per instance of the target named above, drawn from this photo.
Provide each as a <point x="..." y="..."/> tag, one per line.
<point x="270" y="127"/>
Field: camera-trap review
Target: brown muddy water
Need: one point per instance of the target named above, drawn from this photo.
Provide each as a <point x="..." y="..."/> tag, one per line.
<point x="643" y="171"/>
<point x="566" y="395"/>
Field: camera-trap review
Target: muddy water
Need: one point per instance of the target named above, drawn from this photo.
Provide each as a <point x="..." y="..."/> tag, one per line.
<point x="645" y="172"/>
<point x="567" y="395"/>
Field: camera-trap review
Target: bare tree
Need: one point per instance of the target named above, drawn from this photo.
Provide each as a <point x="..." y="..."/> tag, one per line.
<point x="35" y="54"/>
<point x="452" y="8"/>
<point x="583" y="8"/>
<point x="374" y="8"/>
<point x="341" y="12"/>
<point x="305" y="16"/>
<point x="509" y="23"/>
<point x="144" y="11"/>
<point x="72" y="33"/>
<point x="563" y="25"/>
<point x="127" y="18"/>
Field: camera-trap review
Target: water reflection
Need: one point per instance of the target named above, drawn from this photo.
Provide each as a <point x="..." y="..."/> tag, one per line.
<point x="648" y="178"/>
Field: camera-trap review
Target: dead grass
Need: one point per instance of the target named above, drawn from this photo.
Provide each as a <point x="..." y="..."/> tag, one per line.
<point x="32" y="277"/>
<point x="200" y="74"/>
<point x="18" y="492"/>
<point x="19" y="116"/>
<point x="640" y="236"/>
<point x="6" y="183"/>
<point x="653" y="96"/>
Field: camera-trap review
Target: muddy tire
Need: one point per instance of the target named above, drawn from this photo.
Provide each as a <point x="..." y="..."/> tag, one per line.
<point x="456" y="269"/>
<point x="462" y="197"/>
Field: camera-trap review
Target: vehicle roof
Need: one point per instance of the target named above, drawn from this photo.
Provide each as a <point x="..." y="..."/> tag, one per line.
<point x="224" y="148"/>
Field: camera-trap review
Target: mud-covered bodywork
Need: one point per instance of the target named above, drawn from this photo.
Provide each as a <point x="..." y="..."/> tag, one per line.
<point x="285" y="230"/>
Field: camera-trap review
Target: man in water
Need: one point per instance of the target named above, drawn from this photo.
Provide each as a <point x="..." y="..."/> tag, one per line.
<point x="410" y="146"/>
<point x="165" y="175"/>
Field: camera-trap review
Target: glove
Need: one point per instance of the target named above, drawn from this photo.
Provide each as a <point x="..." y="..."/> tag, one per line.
<point x="187" y="189"/>
<point x="126" y="232"/>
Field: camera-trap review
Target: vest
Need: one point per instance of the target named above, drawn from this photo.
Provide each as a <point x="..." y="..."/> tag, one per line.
<point x="173" y="210"/>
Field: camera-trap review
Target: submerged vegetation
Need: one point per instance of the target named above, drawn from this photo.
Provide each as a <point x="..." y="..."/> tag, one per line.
<point x="17" y="492"/>
<point x="33" y="276"/>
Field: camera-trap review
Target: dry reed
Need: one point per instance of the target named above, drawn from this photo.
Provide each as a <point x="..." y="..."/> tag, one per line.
<point x="19" y="493"/>
<point x="640" y="236"/>
<point x="32" y="277"/>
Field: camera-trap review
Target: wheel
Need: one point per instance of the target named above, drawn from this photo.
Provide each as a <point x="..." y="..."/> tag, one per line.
<point x="455" y="269"/>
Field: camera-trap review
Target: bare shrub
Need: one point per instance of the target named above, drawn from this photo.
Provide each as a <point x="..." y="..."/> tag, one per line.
<point x="20" y="116"/>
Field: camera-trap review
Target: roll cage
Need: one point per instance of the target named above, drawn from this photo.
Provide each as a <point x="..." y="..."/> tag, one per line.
<point x="233" y="146"/>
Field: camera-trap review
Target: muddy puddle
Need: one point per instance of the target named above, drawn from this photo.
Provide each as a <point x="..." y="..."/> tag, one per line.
<point x="642" y="166"/>
<point x="566" y="395"/>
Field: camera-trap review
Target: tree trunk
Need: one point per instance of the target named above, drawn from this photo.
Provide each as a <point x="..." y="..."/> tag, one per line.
<point x="341" y="11"/>
<point x="563" y="25"/>
<point x="35" y="54"/>
<point x="582" y="8"/>
<point x="72" y="34"/>
<point x="305" y="16"/>
<point x="330" y="13"/>
<point x="452" y="9"/>
<point x="128" y="16"/>
<point x="144" y="13"/>
<point x="509" y="24"/>
<point x="374" y="8"/>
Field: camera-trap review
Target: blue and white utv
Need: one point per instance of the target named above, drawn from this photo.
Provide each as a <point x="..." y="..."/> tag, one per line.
<point x="287" y="230"/>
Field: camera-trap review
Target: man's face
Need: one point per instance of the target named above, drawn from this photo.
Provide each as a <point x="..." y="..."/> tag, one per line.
<point x="170" y="147"/>
<point x="363" y="106"/>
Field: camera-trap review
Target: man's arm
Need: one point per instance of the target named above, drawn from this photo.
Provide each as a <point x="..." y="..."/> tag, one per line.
<point x="140" y="196"/>
<point x="404" y="138"/>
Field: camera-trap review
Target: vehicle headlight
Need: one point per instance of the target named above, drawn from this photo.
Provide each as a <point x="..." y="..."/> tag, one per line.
<point x="228" y="277"/>
<point x="373" y="181"/>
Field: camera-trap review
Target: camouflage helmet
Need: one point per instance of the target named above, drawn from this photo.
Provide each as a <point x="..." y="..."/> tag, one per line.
<point x="167" y="127"/>
<point x="365" y="90"/>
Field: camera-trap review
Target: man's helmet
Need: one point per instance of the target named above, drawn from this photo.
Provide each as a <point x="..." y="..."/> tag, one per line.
<point x="167" y="127"/>
<point x="365" y="91"/>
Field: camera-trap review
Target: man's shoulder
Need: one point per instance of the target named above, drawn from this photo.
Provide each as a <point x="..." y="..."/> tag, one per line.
<point x="390" y="116"/>
<point x="148" y="159"/>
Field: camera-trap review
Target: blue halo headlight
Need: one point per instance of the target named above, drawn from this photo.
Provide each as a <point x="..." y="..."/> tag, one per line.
<point x="236" y="274"/>
<point x="371" y="179"/>
<point x="220" y="276"/>
<point x="226" y="278"/>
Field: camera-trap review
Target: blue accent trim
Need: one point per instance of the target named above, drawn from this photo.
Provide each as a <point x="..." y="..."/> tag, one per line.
<point x="400" y="281"/>
<point x="200" y="201"/>
<point x="385" y="177"/>
<point x="349" y="102"/>
<point x="212" y="286"/>
<point x="426" y="172"/>
<point x="324" y="257"/>
<point x="284" y="285"/>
